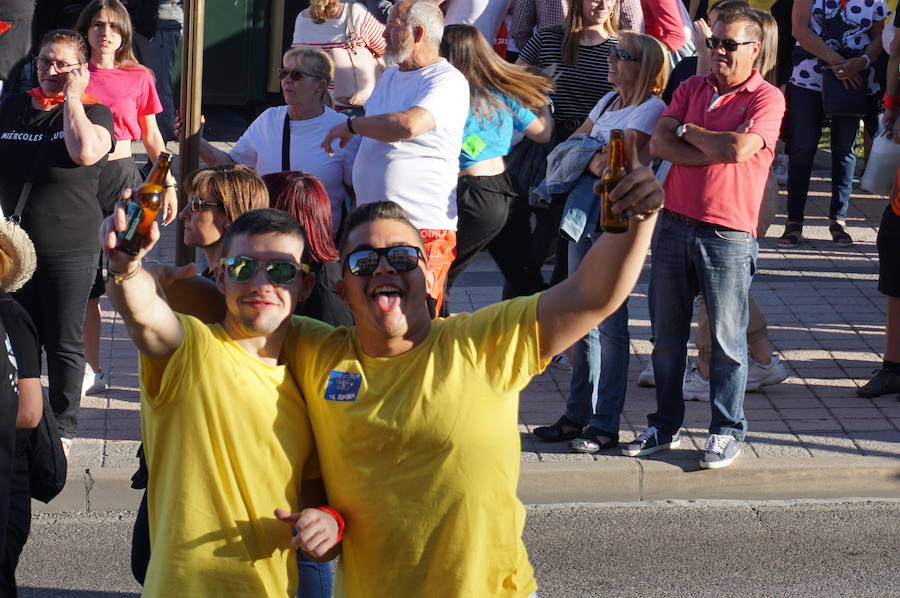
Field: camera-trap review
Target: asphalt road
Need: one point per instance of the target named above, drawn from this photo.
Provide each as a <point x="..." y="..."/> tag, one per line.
<point x="678" y="548"/>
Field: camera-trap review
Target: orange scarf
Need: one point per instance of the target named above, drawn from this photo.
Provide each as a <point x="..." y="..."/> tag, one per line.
<point x="49" y="102"/>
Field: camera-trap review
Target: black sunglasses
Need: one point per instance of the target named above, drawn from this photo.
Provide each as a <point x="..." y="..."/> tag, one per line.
<point x="729" y="44"/>
<point x="241" y="268"/>
<point x="402" y="258"/>
<point x="295" y="75"/>
<point x="623" y="55"/>
<point x="196" y="204"/>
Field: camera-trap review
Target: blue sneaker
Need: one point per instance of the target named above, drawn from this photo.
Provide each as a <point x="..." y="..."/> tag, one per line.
<point x="720" y="451"/>
<point x="649" y="441"/>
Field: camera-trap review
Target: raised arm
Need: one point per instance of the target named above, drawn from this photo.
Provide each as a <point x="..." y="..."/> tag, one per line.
<point x="567" y="311"/>
<point x="150" y="321"/>
<point x="86" y="142"/>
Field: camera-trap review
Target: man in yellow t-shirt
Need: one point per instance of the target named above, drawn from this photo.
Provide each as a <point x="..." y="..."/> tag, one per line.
<point x="416" y="420"/>
<point x="226" y="432"/>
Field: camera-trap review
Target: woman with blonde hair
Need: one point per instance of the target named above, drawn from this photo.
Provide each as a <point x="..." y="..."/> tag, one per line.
<point x="638" y="68"/>
<point x="504" y="99"/>
<point x="279" y="139"/>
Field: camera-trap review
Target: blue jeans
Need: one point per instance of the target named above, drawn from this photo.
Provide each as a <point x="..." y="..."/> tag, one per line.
<point x="315" y="579"/>
<point x="159" y="55"/>
<point x="805" y="117"/>
<point x="597" y="394"/>
<point x="718" y="262"/>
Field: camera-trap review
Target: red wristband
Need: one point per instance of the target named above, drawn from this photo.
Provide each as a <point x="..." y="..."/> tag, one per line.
<point x="337" y="517"/>
<point x="891" y="102"/>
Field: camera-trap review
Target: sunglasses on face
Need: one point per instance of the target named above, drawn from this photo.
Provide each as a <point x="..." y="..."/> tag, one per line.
<point x="241" y="268"/>
<point x="623" y="55"/>
<point x="198" y="204"/>
<point x="402" y="258"/>
<point x="295" y="75"/>
<point x="729" y="44"/>
<point x="43" y="64"/>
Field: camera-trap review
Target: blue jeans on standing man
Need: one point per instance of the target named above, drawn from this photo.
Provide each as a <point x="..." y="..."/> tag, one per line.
<point x="600" y="363"/>
<point x="718" y="262"/>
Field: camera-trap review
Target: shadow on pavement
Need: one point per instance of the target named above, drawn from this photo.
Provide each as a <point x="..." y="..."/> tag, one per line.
<point x="55" y="593"/>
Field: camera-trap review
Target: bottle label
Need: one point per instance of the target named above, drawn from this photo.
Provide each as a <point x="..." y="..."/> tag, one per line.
<point x="134" y="213"/>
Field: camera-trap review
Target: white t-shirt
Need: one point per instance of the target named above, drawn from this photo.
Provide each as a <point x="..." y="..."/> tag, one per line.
<point x="260" y="147"/>
<point x="640" y="118"/>
<point x="485" y="15"/>
<point x="419" y="174"/>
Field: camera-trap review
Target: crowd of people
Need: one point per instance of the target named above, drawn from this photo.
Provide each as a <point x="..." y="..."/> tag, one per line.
<point x="385" y="429"/>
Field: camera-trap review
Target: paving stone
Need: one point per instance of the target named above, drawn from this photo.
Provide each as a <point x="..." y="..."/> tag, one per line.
<point x="829" y="444"/>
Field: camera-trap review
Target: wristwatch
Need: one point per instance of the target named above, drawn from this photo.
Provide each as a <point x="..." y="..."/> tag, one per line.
<point x="680" y="130"/>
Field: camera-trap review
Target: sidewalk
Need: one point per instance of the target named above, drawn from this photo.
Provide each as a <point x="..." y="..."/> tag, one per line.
<point x="810" y="437"/>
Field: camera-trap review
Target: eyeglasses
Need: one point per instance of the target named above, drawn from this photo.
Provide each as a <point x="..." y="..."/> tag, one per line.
<point x="729" y="44"/>
<point x="623" y="55"/>
<point x="241" y="268"/>
<point x="197" y="204"/>
<point x="295" y="75"/>
<point x="42" y="63"/>
<point x="402" y="258"/>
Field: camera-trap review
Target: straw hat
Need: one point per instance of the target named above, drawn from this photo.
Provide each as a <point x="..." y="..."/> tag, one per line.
<point x="16" y="244"/>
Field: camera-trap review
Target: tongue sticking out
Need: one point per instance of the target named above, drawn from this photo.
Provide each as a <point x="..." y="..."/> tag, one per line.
<point x="387" y="302"/>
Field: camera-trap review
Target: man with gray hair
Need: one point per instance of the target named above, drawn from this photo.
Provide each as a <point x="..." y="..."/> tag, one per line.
<point x="412" y="133"/>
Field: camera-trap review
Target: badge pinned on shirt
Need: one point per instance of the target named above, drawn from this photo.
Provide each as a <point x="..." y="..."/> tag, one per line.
<point x="473" y="145"/>
<point x="342" y="386"/>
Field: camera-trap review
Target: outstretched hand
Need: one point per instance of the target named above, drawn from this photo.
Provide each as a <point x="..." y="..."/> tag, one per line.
<point x="639" y="194"/>
<point x="317" y="531"/>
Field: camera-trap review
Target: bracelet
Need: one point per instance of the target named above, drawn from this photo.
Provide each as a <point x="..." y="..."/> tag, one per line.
<point x="337" y="517"/>
<point x="867" y="59"/>
<point x="120" y="277"/>
<point x="71" y="97"/>
<point x="891" y="102"/>
<point x="350" y="125"/>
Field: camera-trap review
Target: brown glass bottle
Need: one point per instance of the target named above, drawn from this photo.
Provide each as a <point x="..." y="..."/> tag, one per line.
<point x="611" y="222"/>
<point x="142" y="208"/>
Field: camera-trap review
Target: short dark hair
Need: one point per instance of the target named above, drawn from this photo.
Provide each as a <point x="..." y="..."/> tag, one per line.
<point x="726" y="4"/>
<point x="264" y="221"/>
<point x="739" y="14"/>
<point x="67" y="36"/>
<point x="370" y="212"/>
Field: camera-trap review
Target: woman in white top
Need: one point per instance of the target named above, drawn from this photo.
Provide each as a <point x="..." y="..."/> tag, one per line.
<point x="638" y="70"/>
<point x="324" y="25"/>
<point x="307" y="117"/>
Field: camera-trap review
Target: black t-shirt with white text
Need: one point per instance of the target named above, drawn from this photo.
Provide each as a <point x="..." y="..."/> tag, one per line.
<point x="62" y="212"/>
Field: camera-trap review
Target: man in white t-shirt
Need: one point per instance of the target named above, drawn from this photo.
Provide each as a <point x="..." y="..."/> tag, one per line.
<point x="412" y="132"/>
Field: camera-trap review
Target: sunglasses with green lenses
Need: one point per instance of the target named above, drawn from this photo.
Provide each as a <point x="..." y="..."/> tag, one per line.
<point x="402" y="258"/>
<point x="241" y="268"/>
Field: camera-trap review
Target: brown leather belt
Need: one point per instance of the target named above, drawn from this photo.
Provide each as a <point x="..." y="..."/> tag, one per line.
<point x="686" y="219"/>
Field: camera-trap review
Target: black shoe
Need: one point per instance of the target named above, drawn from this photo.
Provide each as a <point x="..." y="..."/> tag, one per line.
<point x="883" y="382"/>
<point x="563" y="429"/>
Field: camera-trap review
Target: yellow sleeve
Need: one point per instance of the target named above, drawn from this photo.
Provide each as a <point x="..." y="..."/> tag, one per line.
<point x="161" y="385"/>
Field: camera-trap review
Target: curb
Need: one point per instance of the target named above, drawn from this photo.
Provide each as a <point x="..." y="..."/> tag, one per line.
<point x="631" y="480"/>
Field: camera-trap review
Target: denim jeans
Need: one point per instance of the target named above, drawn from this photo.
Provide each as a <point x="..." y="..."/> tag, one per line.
<point x="805" y="117"/>
<point x="718" y="262"/>
<point x="159" y="55"/>
<point x="55" y="298"/>
<point x="600" y="363"/>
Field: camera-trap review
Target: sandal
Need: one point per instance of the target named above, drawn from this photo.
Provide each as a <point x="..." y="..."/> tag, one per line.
<point x="563" y="429"/>
<point x="793" y="232"/>
<point x="594" y="440"/>
<point x="839" y="235"/>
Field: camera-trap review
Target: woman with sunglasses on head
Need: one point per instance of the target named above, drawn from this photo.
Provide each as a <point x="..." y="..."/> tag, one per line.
<point x="129" y="91"/>
<point x="638" y="67"/>
<point x="504" y="99"/>
<point x="278" y="140"/>
<point x="301" y="195"/>
<point x="54" y="141"/>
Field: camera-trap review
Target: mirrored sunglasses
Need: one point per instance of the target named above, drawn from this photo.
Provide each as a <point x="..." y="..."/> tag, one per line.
<point x="402" y="258"/>
<point x="197" y="204"/>
<point x="241" y="268"/>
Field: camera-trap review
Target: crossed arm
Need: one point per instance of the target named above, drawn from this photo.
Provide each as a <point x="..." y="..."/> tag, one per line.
<point x="702" y="147"/>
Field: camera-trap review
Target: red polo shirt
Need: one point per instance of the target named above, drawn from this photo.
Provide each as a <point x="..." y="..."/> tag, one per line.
<point x="725" y="194"/>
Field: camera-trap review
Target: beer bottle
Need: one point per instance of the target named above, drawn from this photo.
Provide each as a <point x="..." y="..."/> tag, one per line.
<point x="611" y="222"/>
<point x="143" y="206"/>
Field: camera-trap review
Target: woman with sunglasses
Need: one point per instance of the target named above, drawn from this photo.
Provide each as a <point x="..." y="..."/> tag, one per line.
<point x="638" y="67"/>
<point x="504" y="100"/>
<point x="129" y="91"/>
<point x="301" y="195"/>
<point x="54" y="141"/>
<point x="278" y="140"/>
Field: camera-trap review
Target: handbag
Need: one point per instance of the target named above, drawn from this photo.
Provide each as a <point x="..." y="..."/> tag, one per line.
<point x="881" y="167"/>
<point x="838" y="100"/>
<point x="355" y="68"/>
<point x="47" y="465"/>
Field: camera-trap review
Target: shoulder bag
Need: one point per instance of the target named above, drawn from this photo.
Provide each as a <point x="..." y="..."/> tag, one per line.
<point x="355" y="68"/>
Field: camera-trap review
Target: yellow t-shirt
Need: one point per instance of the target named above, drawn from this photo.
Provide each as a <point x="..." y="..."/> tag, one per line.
<point x="420" y="453"/>
<point x="226" y="438"/>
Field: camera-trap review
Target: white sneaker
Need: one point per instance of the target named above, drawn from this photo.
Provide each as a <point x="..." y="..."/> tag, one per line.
<point x="765" y="375"/>
<point x="94" y="382"/>
<point x="646" y="377"/>
<point x="780" y="169"/>
<point x="695" y="387"/>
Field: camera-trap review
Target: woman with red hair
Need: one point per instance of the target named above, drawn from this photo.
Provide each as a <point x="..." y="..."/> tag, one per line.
<point x="301" y="195"/>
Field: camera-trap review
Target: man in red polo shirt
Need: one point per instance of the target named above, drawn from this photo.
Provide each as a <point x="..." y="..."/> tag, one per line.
<point x="719" y="132"/>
